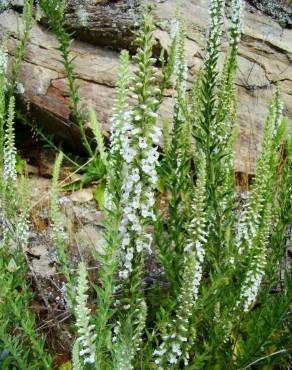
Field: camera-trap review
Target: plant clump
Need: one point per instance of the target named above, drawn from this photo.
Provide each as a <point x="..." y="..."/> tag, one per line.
<point x="216" y="303"/>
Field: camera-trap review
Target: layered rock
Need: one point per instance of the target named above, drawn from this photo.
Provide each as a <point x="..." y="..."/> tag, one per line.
<point x="265" y="56"/>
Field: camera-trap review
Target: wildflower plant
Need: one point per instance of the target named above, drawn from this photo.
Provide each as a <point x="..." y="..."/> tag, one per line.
<point x="113" y="193"/>
<point x="175" y="339"/>
<point x="216" y="300"/>
<point x="54" y="10"/>
<point x="20" y="50"/>
<point x="20" y="343"/>
<point x="21" y="346"/>
<point x="213" y="257"/>
<point x="86" y="336"/>
<point x="140" y="157"/>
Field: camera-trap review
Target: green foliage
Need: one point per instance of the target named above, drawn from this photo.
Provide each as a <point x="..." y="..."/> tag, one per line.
<point x="23" y="39"/>
<point x="57" y="223"/>
<point x="20" y="345"/>
<point x="86" y="336"/>
<point x="54" y="10"/>
<point x="221" y="293"/>
<point x="216" y="304"/>
<point x="96" y="168"/>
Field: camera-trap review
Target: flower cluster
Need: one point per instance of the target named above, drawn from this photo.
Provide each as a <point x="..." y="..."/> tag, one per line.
<point x="216" y="8"/>
<point x="138" y="193"/>
<point x="254" y="226"/>
<point x="252" y="283"/>
<point x="58" y="227"/>
<point x="251" y="217"/>
<point x="208" y="80"/>
<point x="180" y="72"/>
<point x="256" y="270"/>
<point x="174" y="28"/>
<point x="119" y="126"/>
<point x="236" y="7"/>
<point x="86" y="337"/>
<point x="140" y="154"/>
<point x="76" y="363"/>
<point x="176" y="341"/>
<point x="123" y="350"/>
<point x="9" y="168"/>
<point x="180" y="65"/>
<point x="249" y="222"/>
<point x="121" y="114"/>
<point x="3" y="59"/>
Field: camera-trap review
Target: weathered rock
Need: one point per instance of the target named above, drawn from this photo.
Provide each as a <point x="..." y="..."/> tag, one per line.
<point x="42" y="264"/>
<point x="110" y="23"/>
<point x="265" y="57"/>
<point x="89" y="240"/>
<point x="82" y="196"/>
<point x="82" y="225"/>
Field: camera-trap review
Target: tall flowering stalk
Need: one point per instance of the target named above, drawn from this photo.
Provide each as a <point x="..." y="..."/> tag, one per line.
<point x="23" y="41"/>
<point x="9" y="175"/>
<point x="86" y="333"/>
<point x="119" y="127"/>
<point x="109" y="260"/>
<point x="9" y="169"/>
<point x="26" y="348"/>
<point x="175" y="167"/>
<point x="123" y="350"/>
<point x="55" y="11"/>
<point x="214" y="115"/>
<point x="254" y="226"/>
<point x="209" y="278"/>
<point x="3" y="68"/>
<point x="177" y="339"/>
<point x="257" y="266"/>
<point x="180" y="145"/>
<point x="206" y="136"/>
<point x="57" y="223"/>
<point x="140" y="155"/>
<point x="209" y="75"/>
<point x="226" y="102"/>
<point x="58" y="228"/>
<point x="250" y="218"/>
<point x="22" y="226"/>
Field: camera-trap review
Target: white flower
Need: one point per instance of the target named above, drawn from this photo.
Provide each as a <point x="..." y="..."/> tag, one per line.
<point x="9" y="168"/>
<point x="135" y="175"/>
<point x="160" y="352"/>
<point x="3" y="59"/>
<point x="176" y="349"/>
<point x="142" y="143"/>
<point x="124" y="274"/>
<point x="86" y="335"/>
<point x="172" y="360"/>
<point x="174" y="28"/>
<point x="139" y="246"/>
<point x="153" y="114"/>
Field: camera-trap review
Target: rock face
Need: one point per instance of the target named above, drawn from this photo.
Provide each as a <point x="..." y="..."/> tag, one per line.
<point x="108" y="23"/>
<point x="265" y="57"/>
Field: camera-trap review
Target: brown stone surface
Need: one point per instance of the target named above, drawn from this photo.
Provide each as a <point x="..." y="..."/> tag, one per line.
<point x="265" y="56"/>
